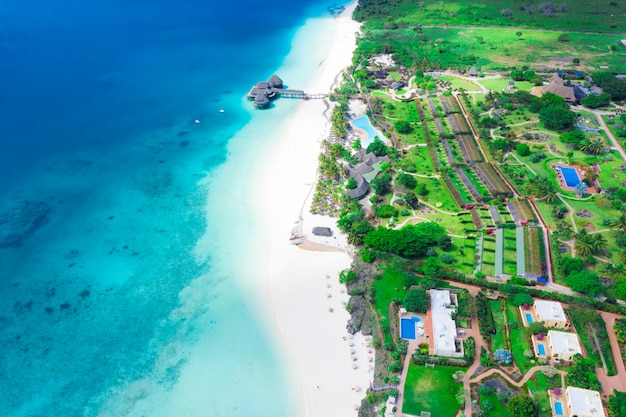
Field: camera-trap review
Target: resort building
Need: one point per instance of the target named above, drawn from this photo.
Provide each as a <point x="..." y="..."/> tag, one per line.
<point x="364" y="172"/>
<point x="549" y="313"/>
<point x="444" y="339"/>
<point x="563" y="346"/>
<point x="556" y="86"/>
<point x="576" y="402"/>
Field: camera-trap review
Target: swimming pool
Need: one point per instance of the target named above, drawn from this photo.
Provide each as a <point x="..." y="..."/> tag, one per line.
<point x="407" y="327"/>
<point x="569" y="175"/>
<point x="364" y="123"/>
<point x="541" y="349"/>
<point x="558" y="408"/>
<point x="529" y="318"/>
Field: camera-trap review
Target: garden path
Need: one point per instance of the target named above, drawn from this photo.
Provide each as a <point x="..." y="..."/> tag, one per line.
<point x="617" y="382"/>
<point x="616" y="144"/>
<point x="522" y="381"/>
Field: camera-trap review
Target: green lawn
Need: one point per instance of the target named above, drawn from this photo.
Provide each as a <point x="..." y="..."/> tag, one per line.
<point x="431" y="389"/>
<point x="458" y="83"/>
<point x="538" y="386"/>
<point x="519" y="341"/>
<point x="489" y="255"/>
<point x="499" y="408"/>
<point x="500" y="48"/>
<point x="422" y="161"/>
<point x="438" y="194"/>
<point x="498" y="84"/>
<point x="388" y="288"/>
<point x="603" y="16"/>
<point x="499" y="319"/>
<point x="509" y="265"/>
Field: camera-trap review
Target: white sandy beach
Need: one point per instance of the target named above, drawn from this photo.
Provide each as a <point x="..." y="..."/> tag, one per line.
<point x="331" y="369"/>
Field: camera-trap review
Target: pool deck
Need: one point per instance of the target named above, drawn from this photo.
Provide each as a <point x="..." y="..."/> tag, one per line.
<point x="581" y="175"/>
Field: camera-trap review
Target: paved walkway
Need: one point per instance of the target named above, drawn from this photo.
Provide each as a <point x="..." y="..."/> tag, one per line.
<point x="616" y="144"/>
<point x="617" y="382"/>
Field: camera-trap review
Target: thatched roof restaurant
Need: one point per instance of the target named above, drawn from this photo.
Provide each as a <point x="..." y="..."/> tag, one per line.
<point x="263" y="92"/>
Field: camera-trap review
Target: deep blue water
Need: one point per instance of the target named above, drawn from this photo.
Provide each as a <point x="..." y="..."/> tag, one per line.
<point x="99" y="204"/>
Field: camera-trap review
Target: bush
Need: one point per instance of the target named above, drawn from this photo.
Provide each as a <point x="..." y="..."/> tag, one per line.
<point x="386" y="211"/>
<point x="536" y="156"/>
<point x="503" y="357"/>
<point x="447" y="258"/>
<point x="523" y="149"/>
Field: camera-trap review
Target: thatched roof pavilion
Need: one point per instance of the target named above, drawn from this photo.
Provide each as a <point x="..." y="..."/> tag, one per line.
<point x="275" y="81"/>
<point x="322" y="231"/>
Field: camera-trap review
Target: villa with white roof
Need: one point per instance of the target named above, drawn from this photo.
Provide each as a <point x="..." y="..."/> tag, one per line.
<point x="577" y="402"/>
<point x="550" y="313"/>
<point x="445" y="341"/>
<point x="562" y="346"/>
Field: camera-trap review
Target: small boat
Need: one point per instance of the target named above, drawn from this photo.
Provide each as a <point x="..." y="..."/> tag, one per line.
<point x="197" y="121"/>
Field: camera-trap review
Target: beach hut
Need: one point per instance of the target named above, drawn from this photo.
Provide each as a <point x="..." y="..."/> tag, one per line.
<point x="322" y="231"/>
<point x="275" y="81"/>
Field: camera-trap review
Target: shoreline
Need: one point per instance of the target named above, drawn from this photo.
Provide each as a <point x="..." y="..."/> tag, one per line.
<point x="329" y="369"/>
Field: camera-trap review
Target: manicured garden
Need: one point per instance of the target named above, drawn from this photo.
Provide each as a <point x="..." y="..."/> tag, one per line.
<point x="431" y="389"/>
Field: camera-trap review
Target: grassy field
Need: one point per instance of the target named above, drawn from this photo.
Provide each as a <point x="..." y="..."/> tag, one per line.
<point x="498" y="84"/>
<point x="458" y="83"/>
<point x="489" y="48"/>
<point x="499" y="408"/>
<point x="489" y="255"/>
<point x="538" y="386"/>
<point x="431" y="389"/>
<point x="438" y="194"/>
<point x="600" y="16"/>
<point x="509" y="265"/>
<point x="388" y="288"/>
<point x="421" y="159"/>
<point x="519" y="342"/>
<point x="499" y="319"/>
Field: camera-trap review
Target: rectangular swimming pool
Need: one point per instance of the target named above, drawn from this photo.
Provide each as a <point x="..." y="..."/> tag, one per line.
<point x="570" y="175"/>
<point x="529" y="318"/>
<point x="558" y="408"/>
<point x="541" y="349"/>
<point x="407" y="327"/>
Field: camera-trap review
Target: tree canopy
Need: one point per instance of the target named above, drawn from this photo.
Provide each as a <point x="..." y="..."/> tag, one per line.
<point x="522" y="406"/>
<point x="417" y="300"/>
<point x="584" y="281"/>
<point x="409" y="242"/>
<point x="556" y="117"/>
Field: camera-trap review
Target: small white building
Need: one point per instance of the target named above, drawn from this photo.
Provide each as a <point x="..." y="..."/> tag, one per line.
<point x="445" y="341"/>
<point x="563" y="346"/>
<point x="550" y="313"/>
<point x="583" y="403"/>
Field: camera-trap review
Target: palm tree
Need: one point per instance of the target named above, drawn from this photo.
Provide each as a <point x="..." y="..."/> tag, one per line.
<point x="583" y="246"/>
<point x="598" y="242"/>
<point x="551" y="195"/>
<point x="619" y="223"/>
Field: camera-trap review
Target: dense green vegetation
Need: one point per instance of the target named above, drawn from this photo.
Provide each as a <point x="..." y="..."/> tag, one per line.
<point x="601" y="15"/>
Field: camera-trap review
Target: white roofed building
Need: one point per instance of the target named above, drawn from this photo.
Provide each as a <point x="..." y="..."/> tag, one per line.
<point x="582" y="403"/>
<point x="563" y="346"/>
<point x="550" y="313"/>
<point x="445" y="341"/>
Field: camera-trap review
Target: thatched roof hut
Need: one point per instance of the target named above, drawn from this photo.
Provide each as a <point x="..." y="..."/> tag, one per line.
<point x="361" y="189"/>
<point x="275" y="81"/>
<point x="322" y="231"/>
<point x="473" y="72"/>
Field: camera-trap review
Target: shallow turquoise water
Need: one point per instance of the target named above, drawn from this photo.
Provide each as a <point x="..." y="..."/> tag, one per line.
<point x="106" y="303"/>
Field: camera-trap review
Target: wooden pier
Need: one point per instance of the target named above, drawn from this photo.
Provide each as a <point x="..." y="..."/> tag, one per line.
<point x="264" y="92"/>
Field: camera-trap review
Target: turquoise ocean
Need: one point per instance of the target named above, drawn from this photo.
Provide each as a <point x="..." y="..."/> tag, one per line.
<point x="108" y="306"/>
